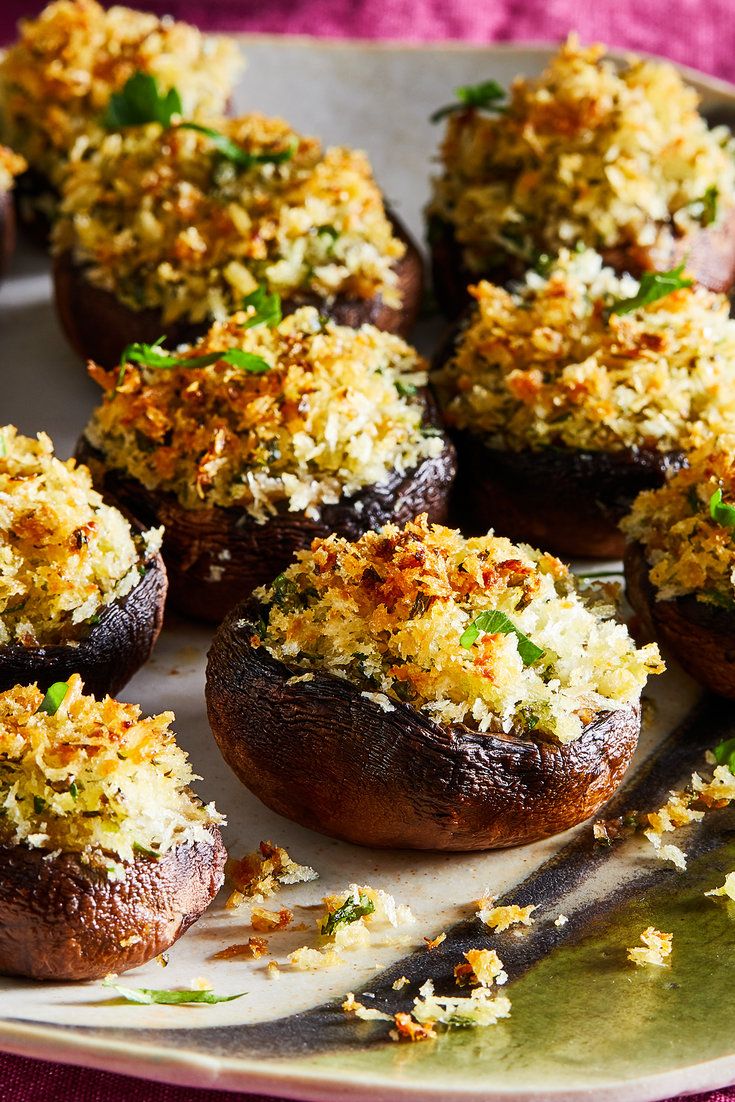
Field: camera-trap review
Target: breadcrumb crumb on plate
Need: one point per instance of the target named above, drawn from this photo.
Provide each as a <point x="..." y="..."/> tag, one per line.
<point x="656" y="948"/>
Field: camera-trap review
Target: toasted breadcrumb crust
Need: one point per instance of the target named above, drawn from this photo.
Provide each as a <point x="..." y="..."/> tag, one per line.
<point x="727" y="889"/>
<point x="713" y="793"/>
<point x="656" y="948"/>
<point x="57" y="79"/>
<point x="11" y="165"/>
<point x="337" y="411"/>
<point x="64" y="554"/>
<point x="160" y="219"/>
<point x="687" y="550"/>
<point x="388" y="612"/>
<point x="355" y="930"/>
<point x="252" y="949"/>
<point x="481" y="966"/>
<point x="96" y="778"/>
<point x="546" y="364"/>
<point x="502" y="918"/>
<point x="263" y="872"/>
<point x="612" y="155"/>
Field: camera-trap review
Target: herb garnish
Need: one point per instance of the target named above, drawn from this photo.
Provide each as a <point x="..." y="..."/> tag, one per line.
<point x="350" y="911"/>
<point x="267" y="306"/>
<point x="405" y="390"/>
<point x="154" y="355"/>
<point x="708" y="203"/>
<point x="653" y="286"/>
<point x="39" y="805"/>
<point x="231" y="151"/>
<point x="484" y="96"/>
<point x="54" y="698"/>
<point x="140" y="101"/>
<point x="493" y="622"/>
<point x="720" y="512"/>
<point x="150" y="995"/>
<point x="725" y="754"/>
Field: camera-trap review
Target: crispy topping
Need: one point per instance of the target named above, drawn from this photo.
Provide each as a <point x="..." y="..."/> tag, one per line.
<point x="388" y="612"/>
<point x="11" y="165"/>
<point x="266" y="921"/>
<point x="727" y="889"/>
<point x="352" y="920"/>
<point x="252" y="949"/>
<point x="481" y="966"/>
<point x="549" y="365"/>
<point x="161" y="219"/>
<point x="612" y="155"/>
<point x="688" y="543"/>
<point x="336" y="411"/>
<point x="262" y="873"/>
<point x="64" y="554"/>
<point x="56" y="80"/>
<point x="95" y="778"/>
<point x="656" y="948"/>
<point x="502" y="918"/>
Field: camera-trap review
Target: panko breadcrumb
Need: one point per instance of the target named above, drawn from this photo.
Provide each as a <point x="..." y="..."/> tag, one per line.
<point x="656" y="948"/>
<point x="64" y="554"/>
<point x="688" y="551"/>
<point x="57" y="79"/>
<point x="727" y="889"/>
<point x="11" y="165"/>
<point x="481" y="966"/>
<point x="388" y="612"/>
<point x="261" y="873"/>
<point x="159" y="218"/>
<point x="615" y="155"/>
<point x="351" y="919"/>
<point x="502" y="918"/>
<point x="546" y="364"/>
<point x="95" y="778"/>
<point x="336" y="411"/>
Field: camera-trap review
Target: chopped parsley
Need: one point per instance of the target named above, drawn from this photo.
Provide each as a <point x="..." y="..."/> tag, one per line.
<point x="350" y="911"/>
<point x="708" y="205"/>
<point x="405" y="390"/>
<point x="493" y="622"/>
<point x="653" y="286"/>
<point x="146" y="852"/>
<point x="722" y="513"/>
<point x="141" y="101"/>
<point x="154" y="355"/>
<point x="150" y="995"/>
<point x="235" y="153"/>
<point x="485" y="96"/>
<point x="54" y="698"/>
<point x="725" y="754"/>
<point x="267" y="306"/>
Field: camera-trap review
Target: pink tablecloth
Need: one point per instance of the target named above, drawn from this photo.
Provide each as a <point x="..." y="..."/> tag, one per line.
<point x="700" y="33"/>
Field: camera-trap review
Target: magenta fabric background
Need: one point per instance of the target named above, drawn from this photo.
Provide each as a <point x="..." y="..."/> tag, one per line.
<point x="700" y="33"/>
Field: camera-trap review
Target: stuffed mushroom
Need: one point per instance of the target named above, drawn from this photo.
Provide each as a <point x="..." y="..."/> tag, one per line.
<point x="614" y="156"/>
<point x="267" y="433"/>
<point x="418" y="689"/>
<point x="575" y="391"/>
<point x="82" y="589"/>
<point x="11" y="164"/>
<point x="106" y="855"/>
<point x="680" y="564"/>
<point x="166" y="227"/>
<point x="57" y="79"/>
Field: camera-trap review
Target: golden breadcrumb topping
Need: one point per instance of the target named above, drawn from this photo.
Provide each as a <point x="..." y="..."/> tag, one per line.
<point x="263" y="872"/>
<point x="727" y="889"/>
<point x="685" y="529"/>
<point x="548" y="365"/>
<point x="11" y="165"/>
<point x="481" y="966"/>
<point x="64" y="554"/>
<point x="502" y="918"/>
<point x="611" y="155"/>
<point x="57" y="79"/>
<point x="335" y="410"/>
<point x="95" y="778"/>
<point x="656" y="948"/>
<point x="480" y="1008"/>
<point x="354" y="919"/>
<point x="401" y="611"/>
<point x="161" y="219"/>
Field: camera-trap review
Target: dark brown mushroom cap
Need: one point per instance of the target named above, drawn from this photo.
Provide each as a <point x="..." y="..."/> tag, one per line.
<point x="61" y="919"/>
<point x="567" y="500"/>
<point x="98" y="326"/>
<point x="324" y="755"/>
<point x="108" y="653"/>
<point x="35" y="198"/>
<point x="216" y="556"/>
<point x="709" y="254"/>
<point x="700" y="635"/>
<point x="7" y="230"/>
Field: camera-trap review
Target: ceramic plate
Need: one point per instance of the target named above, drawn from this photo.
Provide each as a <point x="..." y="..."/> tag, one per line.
<point x="584" y="1022"/>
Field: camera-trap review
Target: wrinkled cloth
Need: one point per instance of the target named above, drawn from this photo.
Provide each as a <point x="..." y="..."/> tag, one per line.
<point x="699" y="33"/>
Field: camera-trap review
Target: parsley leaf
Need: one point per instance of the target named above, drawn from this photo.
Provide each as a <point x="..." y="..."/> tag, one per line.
<point x="231" y="151"/>
<point x="350" y="911"/>
<point x="149" y="995"/>
<point x="54" y="698"/>
<point x="141" y="101"/>
<point x="653" y="286"/>
<point x="725" y="754"/>
<point x="405" y="390"/>
<point x="720" y="512"/>
<point x="483" y="97"/>
<point x="493" y="622"/>
<point x="154" y="355"/>
<point x="267" y="307"/>
<point x="708" y="203"/>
